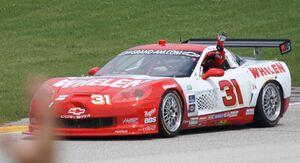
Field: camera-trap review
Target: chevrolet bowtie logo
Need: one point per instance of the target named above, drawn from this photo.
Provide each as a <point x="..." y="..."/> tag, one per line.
<point x="76" y="111"/>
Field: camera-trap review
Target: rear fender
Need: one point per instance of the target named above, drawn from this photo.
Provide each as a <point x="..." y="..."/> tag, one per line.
<point x="266" y="71"/>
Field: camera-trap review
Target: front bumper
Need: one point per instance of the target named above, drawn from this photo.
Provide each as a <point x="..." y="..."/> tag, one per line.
<point x="121" y="120"/>
<point x="140" y="129"/>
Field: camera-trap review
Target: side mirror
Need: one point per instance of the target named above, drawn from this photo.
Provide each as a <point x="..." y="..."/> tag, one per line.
<point x="93" y="70"/>
<point x="213" y="72"/>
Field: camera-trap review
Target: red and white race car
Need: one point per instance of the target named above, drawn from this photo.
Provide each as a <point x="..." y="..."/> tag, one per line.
<point x="164" y="88"/>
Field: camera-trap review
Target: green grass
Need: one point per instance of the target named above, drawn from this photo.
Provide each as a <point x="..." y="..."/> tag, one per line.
<point x="67" y="37"/>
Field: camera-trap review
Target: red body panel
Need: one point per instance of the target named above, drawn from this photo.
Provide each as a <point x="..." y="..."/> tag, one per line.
<point x="128" y="115"/>
<point x="286" y="103"/>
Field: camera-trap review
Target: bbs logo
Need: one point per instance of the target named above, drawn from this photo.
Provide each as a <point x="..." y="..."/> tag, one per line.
<point x="150" y="120"/>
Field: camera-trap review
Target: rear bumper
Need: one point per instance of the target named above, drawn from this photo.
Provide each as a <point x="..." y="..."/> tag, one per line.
<point x="285" y="105"/>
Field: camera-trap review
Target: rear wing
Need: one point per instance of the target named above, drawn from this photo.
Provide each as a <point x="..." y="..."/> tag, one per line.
<point x="284" y="45"/>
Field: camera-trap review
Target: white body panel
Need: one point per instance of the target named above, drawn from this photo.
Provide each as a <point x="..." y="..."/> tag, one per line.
<point x="250" y="77"/>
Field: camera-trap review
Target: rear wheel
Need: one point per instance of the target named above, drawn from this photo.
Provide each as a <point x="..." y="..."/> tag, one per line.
<point x="269" y="105"/>
<point x="170" y="114"/>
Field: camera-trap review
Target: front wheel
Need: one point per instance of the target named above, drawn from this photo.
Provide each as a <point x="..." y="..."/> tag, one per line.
<point x="170" y="114"/>
<point x="269" y="105"/>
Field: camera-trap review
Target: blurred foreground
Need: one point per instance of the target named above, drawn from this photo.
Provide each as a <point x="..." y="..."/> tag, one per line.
<point x="41" y="148"/>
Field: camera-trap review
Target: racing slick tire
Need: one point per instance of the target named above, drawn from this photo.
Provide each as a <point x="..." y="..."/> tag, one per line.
<point x="170" y="114"/>
<point x="269" y="105"/>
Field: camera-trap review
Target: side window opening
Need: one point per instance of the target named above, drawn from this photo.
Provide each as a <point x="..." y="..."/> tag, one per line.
<point x="208" y="62"/>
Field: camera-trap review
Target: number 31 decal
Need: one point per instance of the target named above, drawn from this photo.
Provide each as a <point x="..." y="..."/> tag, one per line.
<point x="233" y="92"/>
<point x="101" y="99"/>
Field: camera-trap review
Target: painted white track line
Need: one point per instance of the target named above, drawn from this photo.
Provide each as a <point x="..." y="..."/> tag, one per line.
<point x="7" y="133"/>
<point x="295" y="103"/>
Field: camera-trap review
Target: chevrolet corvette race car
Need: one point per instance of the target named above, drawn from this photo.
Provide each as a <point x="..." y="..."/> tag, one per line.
<point x="164" y="88"/>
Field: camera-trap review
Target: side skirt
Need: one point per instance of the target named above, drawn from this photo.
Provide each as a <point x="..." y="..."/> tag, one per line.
<point x="232" y="117"/>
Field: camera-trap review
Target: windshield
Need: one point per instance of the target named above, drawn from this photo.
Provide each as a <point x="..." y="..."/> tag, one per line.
<point x="162" y="63"/>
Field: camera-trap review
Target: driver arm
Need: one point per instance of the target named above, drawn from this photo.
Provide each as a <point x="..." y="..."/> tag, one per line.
<point x="220" y="55"/>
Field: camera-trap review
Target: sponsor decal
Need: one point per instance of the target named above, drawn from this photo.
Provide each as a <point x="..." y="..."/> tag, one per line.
<point x="189" y="87"/>
<point x="101" y="82"/>
<point x="100" y="99"/>
<point x="201" y="119"/>
<point x="234" y="113"/>
<point x="121" y="131"/>
<point x="150" y="120"/>
<point x="231" y="114"/>
<point x="161" y="52"/>
<point x="192" y="99"/>
<point x="76" y="111"/>
<point x="210" y="117"/>
<point x="193" y="121"/>
<point x="192" y="108"/>
<point x="185" y="121"/>
<point x="133" y="120"/>
<point x="165" y="87"/>
<point x="262" y="71"/>
<point x="219" y="116"/>
<point x="61" y="97"/>
<point x="218" y="56"/>
<point x="250" y="111"/>
<point x="285" y="47"/>
<point x="148" y="128"/>
<point x="75" y="116"/>
<point x="222" y="122"/>
<point x="150" y="113"/>
<point x="227" y="114"/>
<point x="253" y="87"/>
<point x="192" y="103"/>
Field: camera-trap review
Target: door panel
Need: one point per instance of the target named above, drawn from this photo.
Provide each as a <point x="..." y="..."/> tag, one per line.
<point x="216" y="94"/>
<point x="233" y="89"/>
<point x="200" y="96"/>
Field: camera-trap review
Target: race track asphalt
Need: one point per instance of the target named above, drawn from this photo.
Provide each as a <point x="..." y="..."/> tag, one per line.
<point x="218" y="144"/>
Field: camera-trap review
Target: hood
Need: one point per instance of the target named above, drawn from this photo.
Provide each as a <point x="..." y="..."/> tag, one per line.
<point x="81" y="92"/>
